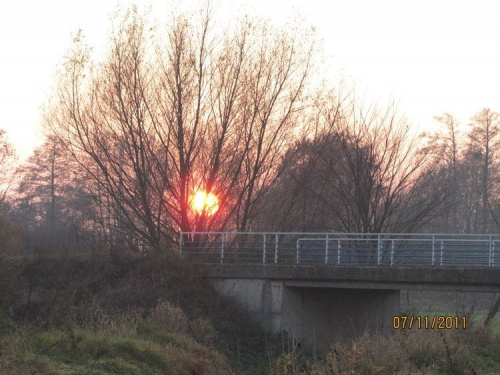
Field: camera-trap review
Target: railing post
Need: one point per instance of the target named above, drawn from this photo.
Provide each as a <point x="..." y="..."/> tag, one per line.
<point x="276" y="248"/>
<point x="490" y="257"/>
<point x="264" y="250"/>
<point x="181" y="244"/>
<point x="493" y="253"/>
<point x="442" y="250"/>
<point x="326" y="249"/>
<point x="338" y="252"/>
<point x="297" y="252"/>
<point x="392" y="252"/>
<point x="222" y="250"/>
<point x="433" y="249"/>
<point x="378" y="250"/>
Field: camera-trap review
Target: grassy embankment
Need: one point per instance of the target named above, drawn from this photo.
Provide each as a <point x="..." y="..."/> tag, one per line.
<point x="86" y="315"/>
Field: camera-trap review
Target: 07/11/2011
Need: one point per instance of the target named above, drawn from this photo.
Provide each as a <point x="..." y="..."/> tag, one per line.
<point x="429" y="322"/>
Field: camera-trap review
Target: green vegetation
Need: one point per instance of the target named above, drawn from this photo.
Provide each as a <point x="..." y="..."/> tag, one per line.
<point x="84" y="351"/>
<point x="140" y="315"/>
<point x="128" y="315"/>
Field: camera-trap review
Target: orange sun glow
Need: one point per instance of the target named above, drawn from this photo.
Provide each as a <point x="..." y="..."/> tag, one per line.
<point x="203" y="201"/>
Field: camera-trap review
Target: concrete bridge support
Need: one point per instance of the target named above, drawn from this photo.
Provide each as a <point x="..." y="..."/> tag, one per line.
<point x="323" y="304"/>
<point x="317" y="315"/>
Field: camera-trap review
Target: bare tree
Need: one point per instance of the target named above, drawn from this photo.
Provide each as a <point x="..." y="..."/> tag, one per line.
<point x="378" y="179"/>
<point x="7" y="159"/>
<point x="483" y="139"/>
<point x="230" y="113"/>
<point x="361" y="172"/>
<point x="483" y="136"/>
<point x="445" y="147"/>
<point x="10" y="235"/>
<point x="51" y="201"/>
<point x="200" y="113"/>
<point x="471" y="191"/>
<point x="101" y="116"/>
<point x="37" y="187"/>
<point x="447" y="143"/>
<point x="292" y="204"/>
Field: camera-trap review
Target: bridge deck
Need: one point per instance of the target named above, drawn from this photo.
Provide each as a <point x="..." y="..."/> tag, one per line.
<point x="367" y="277"/>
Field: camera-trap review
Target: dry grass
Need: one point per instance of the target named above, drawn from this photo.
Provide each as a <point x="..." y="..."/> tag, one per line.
<point x="157" y="301"/>
<point x="471" y="351"/>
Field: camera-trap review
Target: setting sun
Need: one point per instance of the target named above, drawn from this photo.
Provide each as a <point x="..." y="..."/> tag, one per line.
<point x="203" y="201"/>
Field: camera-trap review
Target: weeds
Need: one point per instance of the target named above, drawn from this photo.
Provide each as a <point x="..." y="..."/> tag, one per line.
<point x="456" y="352"/>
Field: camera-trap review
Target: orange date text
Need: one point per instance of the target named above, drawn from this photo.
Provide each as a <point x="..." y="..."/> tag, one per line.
<point x="429" y="322"/>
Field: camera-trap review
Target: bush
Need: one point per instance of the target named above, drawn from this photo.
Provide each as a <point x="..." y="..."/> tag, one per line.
<point x="168" y="316"/>
<point x="203" y="331"/>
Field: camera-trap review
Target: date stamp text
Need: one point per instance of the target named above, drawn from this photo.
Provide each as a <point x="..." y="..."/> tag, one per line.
<point x="429" y="322"/>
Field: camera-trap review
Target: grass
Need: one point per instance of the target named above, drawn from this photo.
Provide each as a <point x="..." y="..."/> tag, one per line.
<point x="429" y="352"/>
<point x="121" y="316"/>
<point x="83" y="351"/>
<point x="479" y="317"/>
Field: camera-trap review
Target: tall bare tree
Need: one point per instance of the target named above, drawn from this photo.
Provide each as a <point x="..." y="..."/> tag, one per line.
<point x="445" y="146"/>
<point x="10" y="235"/>
<point x="51" y="201"/>
<point x="378" y="178"/>
<point x="363" y="171"/>
<point x="483" y="139"/>
<point x="7" y="159"/>
<point x="159" y="120"/>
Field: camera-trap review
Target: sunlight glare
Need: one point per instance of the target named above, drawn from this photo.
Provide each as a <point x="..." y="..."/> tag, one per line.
<point x="203" y="201"/>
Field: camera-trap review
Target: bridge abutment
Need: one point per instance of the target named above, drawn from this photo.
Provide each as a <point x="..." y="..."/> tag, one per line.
<point x="317" y="315"/>
<point x="324" y="304"/>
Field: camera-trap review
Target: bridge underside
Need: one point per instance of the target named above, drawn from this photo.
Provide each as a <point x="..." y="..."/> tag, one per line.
<point x="318" y="316"/>
<point x="322" y="305"/>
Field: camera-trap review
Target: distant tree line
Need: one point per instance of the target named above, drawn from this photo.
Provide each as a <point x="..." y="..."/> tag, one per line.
<point x="235" y="112"/>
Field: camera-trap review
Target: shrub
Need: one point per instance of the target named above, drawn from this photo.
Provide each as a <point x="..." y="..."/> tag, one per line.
<point x="169" y="317"/>
<point x="203" y="331"/>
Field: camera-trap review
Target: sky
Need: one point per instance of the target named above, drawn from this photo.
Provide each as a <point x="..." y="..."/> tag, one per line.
<point x="429" y="56"/>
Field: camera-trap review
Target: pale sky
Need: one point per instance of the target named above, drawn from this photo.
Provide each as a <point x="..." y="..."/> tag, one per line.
<point x="431" y="56"/>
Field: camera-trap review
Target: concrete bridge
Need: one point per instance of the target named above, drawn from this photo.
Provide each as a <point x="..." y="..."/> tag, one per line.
<point x="323" y="286"/>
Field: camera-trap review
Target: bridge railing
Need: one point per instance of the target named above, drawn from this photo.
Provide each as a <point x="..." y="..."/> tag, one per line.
<point x="340" y="249"/>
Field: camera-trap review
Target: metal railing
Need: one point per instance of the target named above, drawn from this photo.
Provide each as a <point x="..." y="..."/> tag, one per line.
<point x="341" y="249"/>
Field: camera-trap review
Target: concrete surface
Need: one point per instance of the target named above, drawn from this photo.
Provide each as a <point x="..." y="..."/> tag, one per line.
<point x="322" y="305"/>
